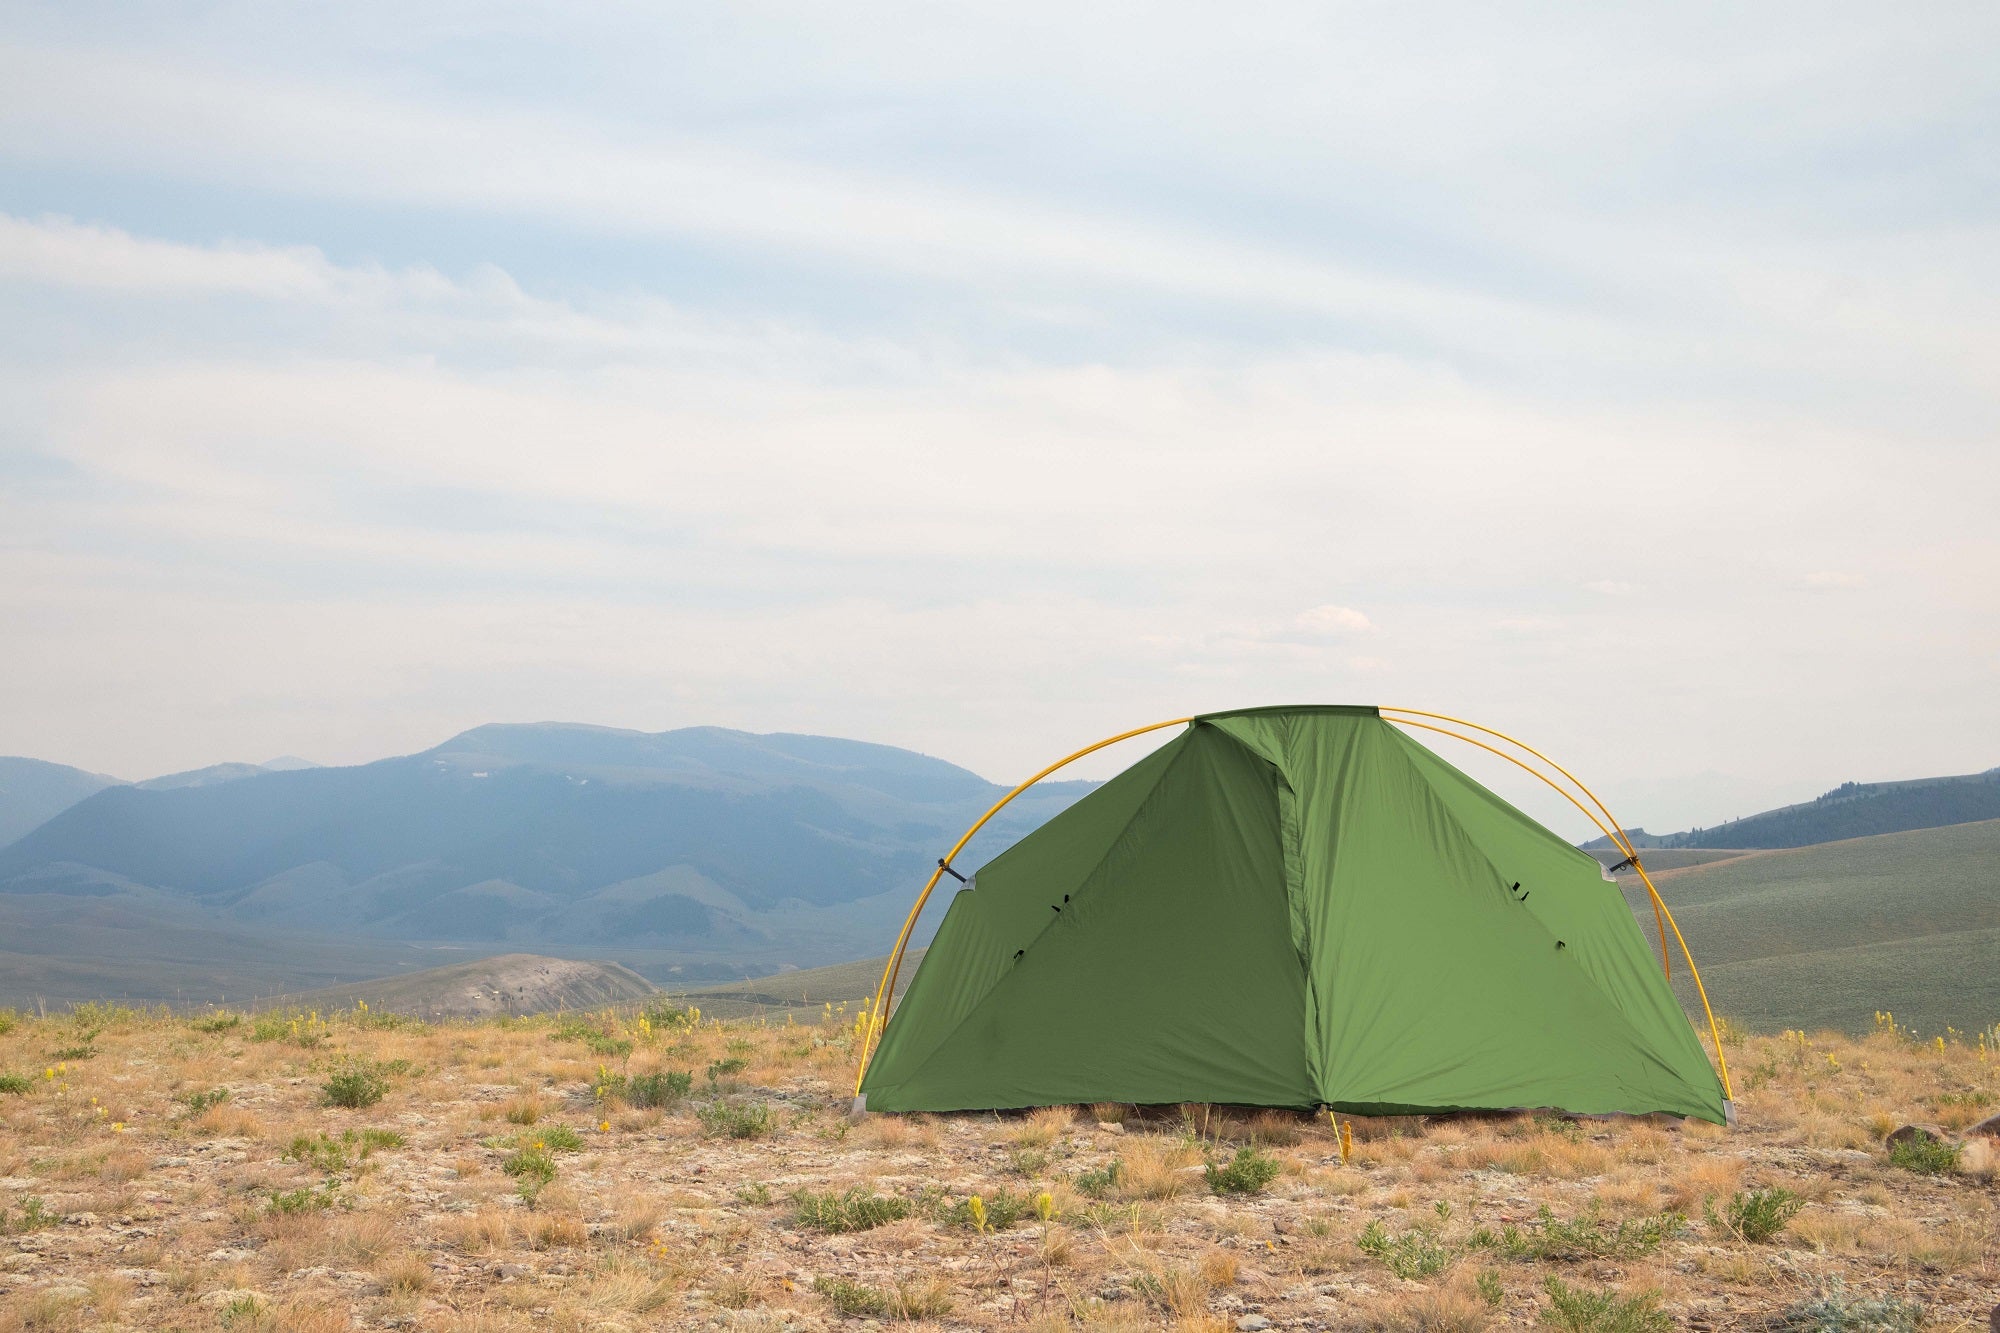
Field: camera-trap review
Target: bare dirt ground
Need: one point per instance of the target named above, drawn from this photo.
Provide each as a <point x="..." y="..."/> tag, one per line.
<point x="162" y="1172"/>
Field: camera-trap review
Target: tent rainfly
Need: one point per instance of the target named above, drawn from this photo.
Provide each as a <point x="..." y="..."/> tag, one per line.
<point x="1292" y="907"/>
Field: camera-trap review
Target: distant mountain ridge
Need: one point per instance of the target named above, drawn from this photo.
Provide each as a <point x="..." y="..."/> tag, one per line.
<point x="537" y="835"/>
<point x="1851" y="810"/>
<point x="34" y="791"/>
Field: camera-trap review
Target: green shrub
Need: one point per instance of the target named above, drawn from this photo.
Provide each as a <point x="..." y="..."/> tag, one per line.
<point x="358" y="1083"/>
<point x="68" y="1053"/>
<point x="1832" y="1310"/>
<point x="1931" y="1157"/>
<point x="1583" y="1311"/>
<point x="1414" y="1254"/>
<point x="1028" y="1161"/>
<point x="1248" y="1172"/>
<point x="325" y="1153"/>
<point x="376" y="1140"/>
<point x="852" y="1300"/>
<point x="35" y="1215"/>
<point x="666" y="1015"/>
<point x="547" y="1138"/>
<point x="318" y="1152"/>
<point x="929" y="1299"/>
<point x="664" y="1088"/>
<point x="1101" y="1181"/>
<point x="18" y="1084"/>
<point x="856" y="1210"/>
<point x="1587" y="1236"/>
<point x="596" y="1038"/>
<point x="217" y="1022"/>
<point x="1491" y="1289"/>
<point x="197" y="1102"/>
<point x="533" y="1169"/>
<point x="1756" y="1215"/>
<point x="304" y="1200"/>
<point x="721" y="1120"/>
<point x="1002" y="1210"/>
<point x="8" y="1019"/>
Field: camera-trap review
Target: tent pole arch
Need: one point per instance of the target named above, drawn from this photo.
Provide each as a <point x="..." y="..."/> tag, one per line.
<point x="885" y="990"/>
<point x="1660" y="909"/>
<point x="887" y="987"/>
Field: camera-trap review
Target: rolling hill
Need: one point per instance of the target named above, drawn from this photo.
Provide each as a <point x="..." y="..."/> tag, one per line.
<point x="1825" y="936"/>
<point x="33" y="791"/>
<point x="1851" y="810"/>
<point x="513" y="983"/>
<point x="700" y="842"/>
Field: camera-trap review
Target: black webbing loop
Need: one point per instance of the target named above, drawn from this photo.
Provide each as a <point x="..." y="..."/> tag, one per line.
<point x="953" y="873"/>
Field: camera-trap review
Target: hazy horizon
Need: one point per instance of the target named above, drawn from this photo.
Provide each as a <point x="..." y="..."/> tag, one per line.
<point x="984" y="382"/>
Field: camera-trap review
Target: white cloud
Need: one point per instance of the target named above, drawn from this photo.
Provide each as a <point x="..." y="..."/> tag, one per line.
<point x="1332" y="621"/>
<point x="1610" y="588"/>
<point x="1831" y="580"/>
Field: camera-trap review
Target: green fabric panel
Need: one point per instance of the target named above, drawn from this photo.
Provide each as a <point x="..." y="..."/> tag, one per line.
<point x="1171" y="974"/>
<point x="987" y="920"/>
<point x="1589" y="914"/>
<point x="1431" y="984"/>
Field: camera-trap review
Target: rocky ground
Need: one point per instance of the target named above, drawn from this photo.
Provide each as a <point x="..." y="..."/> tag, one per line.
<point x="162" y="1172"/>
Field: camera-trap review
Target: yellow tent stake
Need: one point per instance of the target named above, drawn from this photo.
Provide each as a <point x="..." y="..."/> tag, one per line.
<point x="885" y="992"/>
<point x="1661" y="911"/>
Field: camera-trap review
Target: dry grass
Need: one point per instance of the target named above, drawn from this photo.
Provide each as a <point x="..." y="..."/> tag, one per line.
<point x="652" y="1223"/>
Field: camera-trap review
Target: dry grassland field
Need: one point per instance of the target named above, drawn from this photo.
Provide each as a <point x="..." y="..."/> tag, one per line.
<point x="634" y="1170"/>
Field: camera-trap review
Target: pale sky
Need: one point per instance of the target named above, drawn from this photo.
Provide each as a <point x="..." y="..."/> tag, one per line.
<point x="988" y="379"/>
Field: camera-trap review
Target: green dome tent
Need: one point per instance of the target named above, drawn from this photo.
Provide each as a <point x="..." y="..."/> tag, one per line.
<point x="1291" y="907"/>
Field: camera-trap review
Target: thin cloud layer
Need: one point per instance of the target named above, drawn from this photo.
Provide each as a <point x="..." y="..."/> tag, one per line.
<point x="1622" y="382"/>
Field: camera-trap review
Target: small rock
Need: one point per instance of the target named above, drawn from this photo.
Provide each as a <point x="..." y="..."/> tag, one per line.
<point x="230" y="1256"/>
<point x="1990" y="1127"/>
<point x="1252" y="1323"/>
<point x="1111" y="1126"/>
<point x="139" y="1277"/>
<point x="80" y="1220"/>
<point x="508" y="1272"/>
<point x="1918" y="1134"/>
<point x="160" y="1162"/>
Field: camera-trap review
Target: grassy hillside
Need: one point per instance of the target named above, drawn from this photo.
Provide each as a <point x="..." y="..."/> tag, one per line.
<point x="802" y="993"/>
<point x="1826" y="936"/>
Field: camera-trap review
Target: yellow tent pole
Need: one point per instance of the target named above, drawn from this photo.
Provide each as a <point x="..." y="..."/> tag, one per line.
<point x="1521" y="764"/>
<point x="1614" y="832"/>
<point x="1660" y="909"/>
<point x="885" y="992"/>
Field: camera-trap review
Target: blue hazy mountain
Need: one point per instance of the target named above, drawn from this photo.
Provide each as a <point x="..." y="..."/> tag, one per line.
<point x="546" y="834"/>
<point x="33" y="791"/>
